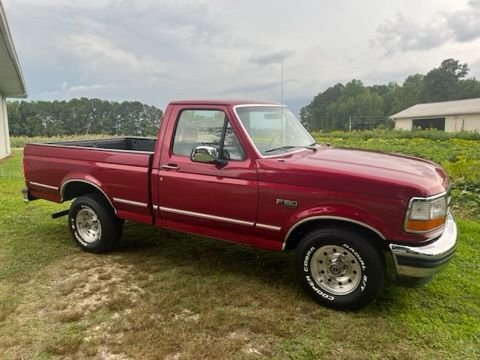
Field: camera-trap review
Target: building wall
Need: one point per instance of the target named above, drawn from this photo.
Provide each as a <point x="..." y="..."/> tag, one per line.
<point x="470" y="122"/>
<point x="456" y="123"/>
<point x="4" y="134"/>
<point x="403" y="124"/>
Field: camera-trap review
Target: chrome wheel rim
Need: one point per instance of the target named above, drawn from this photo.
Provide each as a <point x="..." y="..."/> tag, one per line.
<point x="336" y="269"/>
<point x="88" y="225"/>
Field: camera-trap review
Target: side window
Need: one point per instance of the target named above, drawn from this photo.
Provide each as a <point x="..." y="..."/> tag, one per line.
<point x="206" y="127"/>
<point x="231" y="146"/>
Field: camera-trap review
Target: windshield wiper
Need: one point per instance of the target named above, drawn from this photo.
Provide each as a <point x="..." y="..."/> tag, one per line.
<point x="280" y="148"/>
<point x="286" y="147"/>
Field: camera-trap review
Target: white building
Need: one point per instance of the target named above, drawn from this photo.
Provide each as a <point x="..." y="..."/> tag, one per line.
<point x="11" y="80"/>
<point x="449" y="116"/>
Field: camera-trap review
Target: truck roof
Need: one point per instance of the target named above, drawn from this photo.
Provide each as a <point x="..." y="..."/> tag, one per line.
<point x="225" y="102"/>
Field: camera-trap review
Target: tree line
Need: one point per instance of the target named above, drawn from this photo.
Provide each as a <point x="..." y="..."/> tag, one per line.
<point x="356" y="106"/>
<point x="82" y="116"/>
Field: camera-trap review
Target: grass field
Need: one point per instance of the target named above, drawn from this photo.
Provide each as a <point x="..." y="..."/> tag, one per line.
<point x="169" y="296"/>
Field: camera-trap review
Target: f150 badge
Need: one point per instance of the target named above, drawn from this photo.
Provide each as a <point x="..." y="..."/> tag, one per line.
<point x="291" y="204"/>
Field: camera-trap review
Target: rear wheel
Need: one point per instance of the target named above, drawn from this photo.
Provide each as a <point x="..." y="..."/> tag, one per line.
<point x="93" y="224"/>
<point x="339" y="268"/>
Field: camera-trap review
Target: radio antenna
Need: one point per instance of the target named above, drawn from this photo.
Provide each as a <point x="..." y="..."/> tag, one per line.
<point x="282" y="133"/>
<point x="281" y="81"/>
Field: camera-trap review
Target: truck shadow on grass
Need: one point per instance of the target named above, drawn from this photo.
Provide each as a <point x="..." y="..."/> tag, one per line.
<point x="205" y="256"/>
<point x="201" y="260"/>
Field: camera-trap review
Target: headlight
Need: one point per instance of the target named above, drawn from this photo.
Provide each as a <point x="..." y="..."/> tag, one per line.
<point x="426" y="214"/>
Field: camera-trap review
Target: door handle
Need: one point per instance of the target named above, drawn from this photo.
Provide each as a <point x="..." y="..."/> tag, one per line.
<point x="169" y="167"/>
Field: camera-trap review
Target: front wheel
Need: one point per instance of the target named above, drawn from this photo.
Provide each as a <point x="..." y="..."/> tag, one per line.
<point x="93" y="223"/>
<point x="339" y="268"/>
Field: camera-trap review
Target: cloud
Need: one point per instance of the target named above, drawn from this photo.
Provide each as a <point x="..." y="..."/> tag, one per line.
<point x="90" y="87"/>
<point x="72" y="4"/>
<point x="77" y="90"/>
<point x="465" y="25"/>
<point x="474" y="3"/>
<point x="402" y="34"/>
<point x="100" y="49"/>
<point x="251" y="88"/>
<point x="272" y="58"/>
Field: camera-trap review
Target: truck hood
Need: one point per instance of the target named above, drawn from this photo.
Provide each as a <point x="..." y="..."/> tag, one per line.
<point x="426" y="177"/>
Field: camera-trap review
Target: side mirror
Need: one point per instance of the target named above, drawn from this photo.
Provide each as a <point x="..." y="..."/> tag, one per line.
<point x="207" y="155"/>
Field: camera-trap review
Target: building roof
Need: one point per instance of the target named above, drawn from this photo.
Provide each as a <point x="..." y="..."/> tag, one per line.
<point x="457" y="107"/>
<point x="12" y="83"/>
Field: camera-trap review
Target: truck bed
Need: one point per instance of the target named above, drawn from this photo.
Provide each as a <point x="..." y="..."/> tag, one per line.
<point x="122" y="143"/>
<point x="120" y="167"/>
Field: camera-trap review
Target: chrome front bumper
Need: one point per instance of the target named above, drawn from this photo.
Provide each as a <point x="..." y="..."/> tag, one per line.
<point x="416" y="265"/>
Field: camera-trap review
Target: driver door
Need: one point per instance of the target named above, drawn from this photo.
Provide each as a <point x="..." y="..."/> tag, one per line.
<point x="221" y="199"/>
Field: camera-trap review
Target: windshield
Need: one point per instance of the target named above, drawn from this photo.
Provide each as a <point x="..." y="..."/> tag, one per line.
<point x="274" y="129"/>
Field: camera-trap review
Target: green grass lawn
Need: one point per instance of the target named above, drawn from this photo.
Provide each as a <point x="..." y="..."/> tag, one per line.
<point x="164" y="295"/>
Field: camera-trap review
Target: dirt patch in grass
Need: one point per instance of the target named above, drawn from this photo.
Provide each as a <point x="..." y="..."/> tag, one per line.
<point x="98" y="283"/>
<point x="74" y="299"/>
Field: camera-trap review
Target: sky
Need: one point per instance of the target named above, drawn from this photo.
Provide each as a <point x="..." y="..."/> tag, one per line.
<point x="155" y="51"/>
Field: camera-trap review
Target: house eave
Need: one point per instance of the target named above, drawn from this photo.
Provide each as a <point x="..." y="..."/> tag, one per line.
<point x="12" y="87"/>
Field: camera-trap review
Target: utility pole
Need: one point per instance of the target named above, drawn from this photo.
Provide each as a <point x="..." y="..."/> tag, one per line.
<point x="282" y="134"/>
<point x="350" y="123"/>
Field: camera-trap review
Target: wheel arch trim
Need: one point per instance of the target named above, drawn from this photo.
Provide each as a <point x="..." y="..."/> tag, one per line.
<point x="329" y="217"/>
<point x="65" y="183"/>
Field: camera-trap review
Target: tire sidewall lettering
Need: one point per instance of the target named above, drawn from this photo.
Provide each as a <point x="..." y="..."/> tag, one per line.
<point x="317" y="290"/>
<point x="306" y="261"/>
<point x="363" y="281"/>
<point x="357" y="255"/>
<point x="306" y="269"/>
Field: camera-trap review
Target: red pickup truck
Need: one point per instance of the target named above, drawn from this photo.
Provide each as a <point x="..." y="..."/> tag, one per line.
<point x="248" y="172"/>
